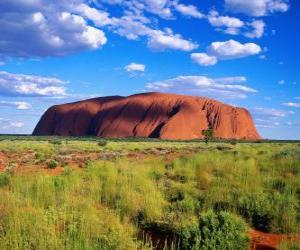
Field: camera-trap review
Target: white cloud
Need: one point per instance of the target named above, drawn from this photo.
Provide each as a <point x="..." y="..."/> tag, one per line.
<point x="17" y="105"/>
<point x="271" y="112"/>
<point x="189" y="10"/>
<point x="100" y="18"/>
<point x="62" y="27"/>
<point x="133" y="27"/>
<point x="292" y="104"/>
<point x="232" y="49"/>
<point x="161" y="41"/>
<point x="37" y="29"/>
<point x="232" y="25"/>
<point x="30" y="85"/>
<point x="130" y="28"/>
<point x="135" y="67"/>
<point x="225" y="51"/>
<point x="204" y="59"/>
<point x="269" y="117"/>
<point x="266" y="123"/>
<point x="228" y="87"/>
<point x="161" y="8"/>
<point x="281" y="82"/>
<point x="158" y="7"/>
<point x="17" y="124"/>
<point x="256" y="7"/>
<point x="235" y="26"/>
<point x="293" y="124"/>
<point x="258" y="27"/>
<point x="9" y="125"/>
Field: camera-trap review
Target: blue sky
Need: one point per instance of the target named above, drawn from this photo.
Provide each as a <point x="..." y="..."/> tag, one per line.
<point x="244" y="53"/>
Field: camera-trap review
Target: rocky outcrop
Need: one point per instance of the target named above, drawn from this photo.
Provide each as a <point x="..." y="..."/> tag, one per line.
<point x="156" y="115"/>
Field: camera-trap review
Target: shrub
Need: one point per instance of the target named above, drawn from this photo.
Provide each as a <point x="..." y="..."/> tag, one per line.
<point x="55" y="142"/>
<point x="188" y="237"/>
<point x="208" y="135"/>
<point x="257" y="209"/>
<point x="52" y="164"/>
<point x="223" y="147"/>
<point x="4" y="179"/>
<point x="102" y="143"/>
<point x="155" y="175"/>
<point x="222" y="231"/>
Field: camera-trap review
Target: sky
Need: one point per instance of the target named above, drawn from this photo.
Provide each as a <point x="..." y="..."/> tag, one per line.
<point x="241" y="52"/>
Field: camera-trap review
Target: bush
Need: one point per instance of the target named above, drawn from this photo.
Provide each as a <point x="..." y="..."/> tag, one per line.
<point x="52" y="164"/>
<point x="222" y="231"/>
<point x="55" y="142"/>
<point x="4" y="179"/>
<point x="102" y="143"/>
<point x="257" y="210"/>
<point x="155" y="175"/>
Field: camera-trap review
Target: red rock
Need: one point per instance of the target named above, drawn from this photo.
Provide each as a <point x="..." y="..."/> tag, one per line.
<point x="157" y="115"/>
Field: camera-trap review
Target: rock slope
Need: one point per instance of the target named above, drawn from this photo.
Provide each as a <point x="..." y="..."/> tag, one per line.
<point x="153" y="115"/>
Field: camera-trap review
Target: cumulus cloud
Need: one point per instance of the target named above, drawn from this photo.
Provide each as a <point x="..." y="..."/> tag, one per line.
<point x="232" y="25"/>
<point x="228" y="87"/>
<point x="37" y="29"/>
<point x="161" y="41"/>
<point x="225" y="51"/>
<point x="232" y="49"/>
<point x="258" y="29"/>
<point x="235" y="26"/>
<point x="204" y="59"/>
<point x="292" y="104"/>
<point x="17" y="105"/>
<point x="60" y="28"/>
<point x="135" y="67"/>
<point x="257" y="7"/>
<point x="98" y="17"/>
<point x="189" y="10"/>
<point x="30" y="85"/>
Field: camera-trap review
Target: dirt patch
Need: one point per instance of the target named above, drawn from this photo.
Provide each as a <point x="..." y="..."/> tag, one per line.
<point x="269" y="241"/>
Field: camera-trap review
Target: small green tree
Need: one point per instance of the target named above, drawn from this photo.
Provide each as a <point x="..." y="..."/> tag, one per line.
<point x="208" y="134"/>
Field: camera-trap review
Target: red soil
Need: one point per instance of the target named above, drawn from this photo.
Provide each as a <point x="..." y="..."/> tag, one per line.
<point x="155" y="115"/>
<point x="268" y="241"/>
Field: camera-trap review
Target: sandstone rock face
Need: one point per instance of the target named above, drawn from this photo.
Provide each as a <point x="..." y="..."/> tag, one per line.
<point x="153" y="115"/>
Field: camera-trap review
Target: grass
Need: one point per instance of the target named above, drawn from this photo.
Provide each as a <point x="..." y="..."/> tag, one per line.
<point x="200" y="197"/>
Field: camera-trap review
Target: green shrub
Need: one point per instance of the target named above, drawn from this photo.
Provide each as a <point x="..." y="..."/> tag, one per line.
<point x="4" y="179"/>
<point x="55" y="142"/>
<point x="189" y="237"/>
<point x="155" y="175"/>
<point x="52" y="164"/>
<point x="222" y="231"/>
<point x="102" y="143"/>
<point x="257" y="210"/>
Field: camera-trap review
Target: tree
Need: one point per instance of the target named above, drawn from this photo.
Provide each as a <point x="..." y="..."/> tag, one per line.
<point x="208" y="134"/>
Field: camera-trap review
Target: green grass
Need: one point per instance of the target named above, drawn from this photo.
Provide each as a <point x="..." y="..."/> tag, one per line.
<point x="206" y="199"/>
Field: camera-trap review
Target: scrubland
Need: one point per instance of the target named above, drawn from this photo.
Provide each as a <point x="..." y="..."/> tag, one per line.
<point x="62" y="193"/>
